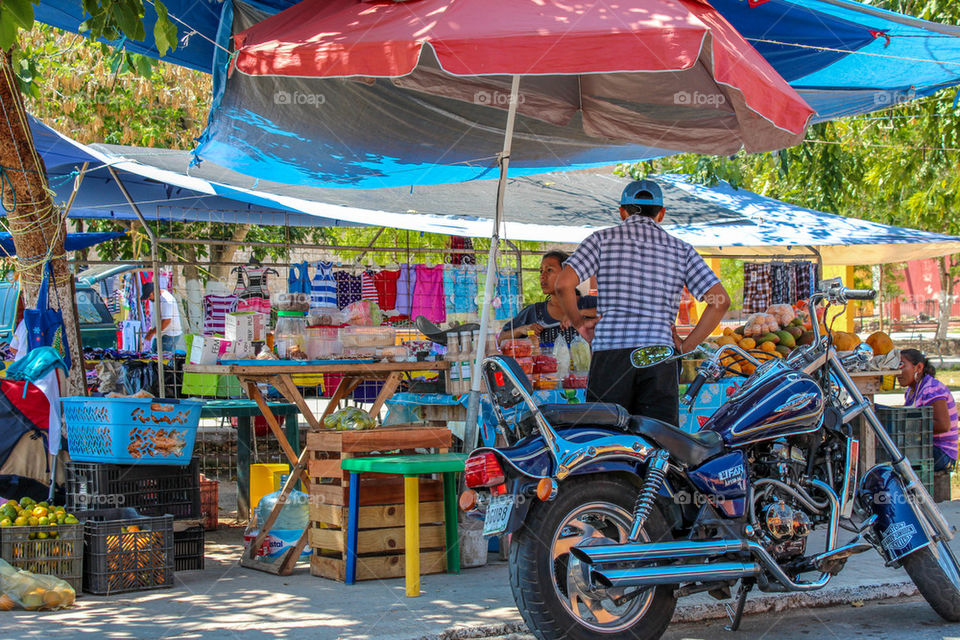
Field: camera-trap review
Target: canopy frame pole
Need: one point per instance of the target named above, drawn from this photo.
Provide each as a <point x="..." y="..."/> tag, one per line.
<point x="471" y="431"/>
<point x="155" y="264"/>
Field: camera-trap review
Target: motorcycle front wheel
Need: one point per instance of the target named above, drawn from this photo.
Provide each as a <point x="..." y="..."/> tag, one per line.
<point x="546" y="593"/>
<point x="935" y="571"/>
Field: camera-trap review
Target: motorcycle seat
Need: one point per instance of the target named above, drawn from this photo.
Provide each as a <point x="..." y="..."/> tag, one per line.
<point x="690" y="449"/>
<point x="587" y="414"/>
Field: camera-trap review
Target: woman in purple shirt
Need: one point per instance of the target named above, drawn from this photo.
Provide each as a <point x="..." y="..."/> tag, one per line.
<point x="918" y="377"/>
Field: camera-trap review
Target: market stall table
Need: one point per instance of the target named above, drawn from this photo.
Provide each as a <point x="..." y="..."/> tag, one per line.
<point x="244" y="411"/>
<point x="279" y="374"/>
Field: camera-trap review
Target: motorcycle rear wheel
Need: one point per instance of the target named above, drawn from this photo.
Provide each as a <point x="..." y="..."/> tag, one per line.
<point x="935" y="571"/>
<point x="599" y="507"/>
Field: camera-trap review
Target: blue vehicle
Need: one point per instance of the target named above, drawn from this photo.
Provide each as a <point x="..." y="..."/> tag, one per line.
<point x="97" y="327"/>
<point x="614" y="517"/>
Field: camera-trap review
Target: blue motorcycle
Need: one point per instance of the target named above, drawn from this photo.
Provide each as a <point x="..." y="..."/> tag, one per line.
<point x="613" y="517"/>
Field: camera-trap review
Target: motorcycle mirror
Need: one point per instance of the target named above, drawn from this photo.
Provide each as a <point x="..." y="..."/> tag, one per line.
<point x="649" y="356"/>
<point x="864" y="352"/>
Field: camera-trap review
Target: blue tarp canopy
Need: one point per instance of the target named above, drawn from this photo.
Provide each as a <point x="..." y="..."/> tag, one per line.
<point x="74" y="242"/>
<point x="562" y="207"/>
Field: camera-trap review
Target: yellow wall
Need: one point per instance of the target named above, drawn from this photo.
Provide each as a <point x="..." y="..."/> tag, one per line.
<point x="845" y="273"/>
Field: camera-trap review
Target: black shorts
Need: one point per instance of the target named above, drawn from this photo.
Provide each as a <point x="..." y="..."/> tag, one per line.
<point x="652" y="391"/>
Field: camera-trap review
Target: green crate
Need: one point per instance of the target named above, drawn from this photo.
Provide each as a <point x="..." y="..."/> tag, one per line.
<point x="211" y="385"/>
<point x="61" y="556"/>
<point x="911" y="429"/>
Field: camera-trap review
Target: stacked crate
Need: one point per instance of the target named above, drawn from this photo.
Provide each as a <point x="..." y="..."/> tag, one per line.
<point x="152" y="490"/>
<point x="380" y="539"/>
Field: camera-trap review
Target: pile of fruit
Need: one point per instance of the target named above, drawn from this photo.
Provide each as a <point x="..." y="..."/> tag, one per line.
<point x="781" y="329"/>
<point x="32" y="592"/>
<point x="136" y="557"/>
<point x="28" y="513"/>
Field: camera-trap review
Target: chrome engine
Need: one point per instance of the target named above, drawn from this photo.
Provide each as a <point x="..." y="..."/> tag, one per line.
<point x="781" y="510"/>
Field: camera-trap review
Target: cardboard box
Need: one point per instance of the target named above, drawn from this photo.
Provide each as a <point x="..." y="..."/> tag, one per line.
<point x="237" y="349"/>
<point x="204" y="350"/>
<point x="245" y="326"/>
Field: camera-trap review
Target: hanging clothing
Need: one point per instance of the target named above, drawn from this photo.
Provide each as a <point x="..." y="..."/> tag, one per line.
<point x="460" y="242"/>
<point x="323" y="287"/>
<point x="804" y="274"/>
<point x="508" y="291"/>
<point x="460" y="287"/>
<point x="386" y="283"/>
<point x="260" y="305"/>
<point x="783" y="284"/>
<point x="405" y="286"/>
<point x="298" y="278"/>
<point x="215" y="308"/>
<point x="368" y="287"/>
<point x="428" y="298"/>
<point x="241" y="281"/>
<point x="348" y="288"/>
<point x="756" y="287"/>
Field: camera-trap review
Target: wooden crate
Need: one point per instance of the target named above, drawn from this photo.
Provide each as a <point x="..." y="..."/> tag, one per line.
<point x="380" y="534"/>
<point x="441" y="414"/>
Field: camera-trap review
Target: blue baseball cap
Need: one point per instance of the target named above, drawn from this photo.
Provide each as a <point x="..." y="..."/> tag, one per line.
<point x="642" y="192"/>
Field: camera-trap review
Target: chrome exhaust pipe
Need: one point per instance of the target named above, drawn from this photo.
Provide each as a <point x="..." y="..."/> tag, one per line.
<point x="673" y="574"/>
<point x="648" y="551"/>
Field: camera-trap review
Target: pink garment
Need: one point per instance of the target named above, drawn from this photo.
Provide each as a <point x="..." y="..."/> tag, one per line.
<point x="260" y="305"/>
<point x="428" y="299"/>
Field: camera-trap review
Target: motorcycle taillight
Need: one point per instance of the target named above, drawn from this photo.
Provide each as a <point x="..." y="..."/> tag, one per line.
<point x="483" y="470"/>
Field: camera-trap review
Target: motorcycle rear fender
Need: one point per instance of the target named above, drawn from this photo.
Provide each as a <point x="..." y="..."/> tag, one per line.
<point x="897" y="530"/>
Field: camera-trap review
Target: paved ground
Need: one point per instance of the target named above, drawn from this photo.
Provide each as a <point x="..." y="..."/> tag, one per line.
<point x="225" y="601"/>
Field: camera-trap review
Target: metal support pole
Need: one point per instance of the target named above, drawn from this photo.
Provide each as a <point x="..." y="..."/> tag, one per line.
<point x="157" y="304"/>
<point x="471" y="431"/>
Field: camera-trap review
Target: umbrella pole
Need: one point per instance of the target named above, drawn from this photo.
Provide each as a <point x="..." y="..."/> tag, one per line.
<point x="471" y="431"/>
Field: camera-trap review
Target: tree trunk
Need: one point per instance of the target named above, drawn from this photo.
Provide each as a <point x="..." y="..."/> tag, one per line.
<point x="35" y="222"/>
<point x="946" y="298"/>
<point x="220" y="253"/>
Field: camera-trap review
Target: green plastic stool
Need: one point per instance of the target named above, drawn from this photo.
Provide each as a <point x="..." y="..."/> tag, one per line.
<point x="411" y="468"/>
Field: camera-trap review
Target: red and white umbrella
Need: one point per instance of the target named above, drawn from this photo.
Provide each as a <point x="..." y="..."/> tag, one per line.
<point x="671" y="74"/>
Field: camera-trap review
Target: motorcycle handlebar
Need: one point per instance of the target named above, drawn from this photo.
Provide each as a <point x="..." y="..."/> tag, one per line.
<point x="860" y="294"/>
<point x="693" y="390"/>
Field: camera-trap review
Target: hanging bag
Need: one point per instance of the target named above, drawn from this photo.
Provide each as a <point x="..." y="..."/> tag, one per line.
<point x="45" y="326"/>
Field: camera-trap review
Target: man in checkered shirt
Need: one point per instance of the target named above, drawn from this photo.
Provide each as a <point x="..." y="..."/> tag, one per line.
<point x="641" y="271"/>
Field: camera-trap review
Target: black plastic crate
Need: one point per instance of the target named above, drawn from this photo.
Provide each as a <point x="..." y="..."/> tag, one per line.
<point x="188" y="549"/>
<point x="119" y="560"/>
<point x="911" y="429"/>
<point x="153" y="490"/>
<point x="924" y="470"/>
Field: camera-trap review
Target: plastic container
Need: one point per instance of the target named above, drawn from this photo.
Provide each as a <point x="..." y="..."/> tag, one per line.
<point x="209" y="503"/>
<point x="152" y="490"/>
<point x="294" y="515"/>
<point x="398" y="353"/>
<point x="290" y="334"/>
<point x="366" y="337"/>
<point x="188" y="549"/>
<point x="544" y="364"/>
<point x="61" y="556"/>
<point x="574" y="381"/>
<point x="526" y="364"/>
<point x="516" y="348"/>
<point x="118" y="560"/>
<point x="323" y="342"/>
<point x="131" y="430"/>
<point x="546" y="383"/>
<point x="911" y="429"/>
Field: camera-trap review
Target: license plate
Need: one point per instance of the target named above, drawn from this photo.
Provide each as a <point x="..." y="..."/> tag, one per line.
<point x="498" y="515"/>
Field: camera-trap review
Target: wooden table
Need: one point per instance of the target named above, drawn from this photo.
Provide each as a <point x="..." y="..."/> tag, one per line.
<point x="869" y="383"/>
<point x="279" y="374"/>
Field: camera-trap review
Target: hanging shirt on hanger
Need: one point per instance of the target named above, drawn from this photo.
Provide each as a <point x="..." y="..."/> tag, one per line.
<point x="428" y="298"/>
<point x="756" y="287"/>
<point x="783" y="285"/>
<point x="368" y="287"/>
<point x="323" y="287"/>
<point x="405" y="286"/>
<point x="386" y="283"/>
<point x="298" y="278"/>
<point x="215" y="308"/>
<point x="348" y="288"/>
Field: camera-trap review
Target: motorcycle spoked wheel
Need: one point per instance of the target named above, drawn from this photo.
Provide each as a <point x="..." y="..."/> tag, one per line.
<point x="935" y="571"/>
<point x="595" y="507"/>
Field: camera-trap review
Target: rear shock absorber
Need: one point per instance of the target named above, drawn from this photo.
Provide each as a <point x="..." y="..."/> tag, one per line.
<point x="656" y="472"/>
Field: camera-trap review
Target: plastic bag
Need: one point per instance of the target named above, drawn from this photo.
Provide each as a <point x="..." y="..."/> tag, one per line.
<point x="784" y="313"/>
<point x="349" y="418"/>
<point x="579" y="355"/>
<point x="363" y="313"/>
<point x="760" y="324"/>
<point x="562" y="353"/>
<point x="33" y="592"/>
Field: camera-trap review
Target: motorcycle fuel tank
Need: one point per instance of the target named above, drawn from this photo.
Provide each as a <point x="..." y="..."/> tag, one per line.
<point x="777" y="402"/>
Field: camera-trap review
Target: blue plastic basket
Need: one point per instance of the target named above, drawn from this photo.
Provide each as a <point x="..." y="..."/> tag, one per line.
<point x="131" y="430"/>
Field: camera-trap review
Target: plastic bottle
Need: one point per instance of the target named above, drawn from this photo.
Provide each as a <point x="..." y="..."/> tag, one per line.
<point x="562" y="353"/>
<point x="291" y="331"/>
<point x="535" y="341"/>
<point x="294" y="515"/>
